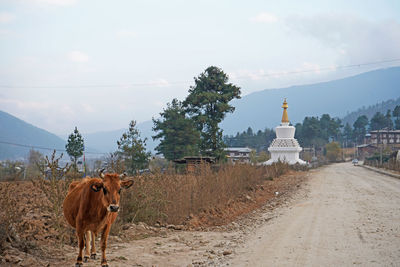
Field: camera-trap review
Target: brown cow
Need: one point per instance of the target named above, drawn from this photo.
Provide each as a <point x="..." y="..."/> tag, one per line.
<point x="92" y="205"/>
<point x="90" y="247"/>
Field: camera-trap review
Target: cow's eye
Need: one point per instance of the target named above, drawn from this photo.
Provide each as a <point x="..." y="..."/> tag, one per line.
<point x="119" y="191"/>
<point x="104" y="191"/>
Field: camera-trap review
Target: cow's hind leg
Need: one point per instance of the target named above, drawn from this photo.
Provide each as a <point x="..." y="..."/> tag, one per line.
<point x="104" y="237"/>
<point x="81" y="243"/>
<point x="93" y="246"/>
<point x="87" y="246"/>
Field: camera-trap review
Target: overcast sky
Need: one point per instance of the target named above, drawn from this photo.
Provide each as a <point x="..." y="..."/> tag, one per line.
<point x="99" y="64"/>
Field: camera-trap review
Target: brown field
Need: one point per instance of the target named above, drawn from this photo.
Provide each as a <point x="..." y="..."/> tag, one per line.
<point x="34" y="233"/>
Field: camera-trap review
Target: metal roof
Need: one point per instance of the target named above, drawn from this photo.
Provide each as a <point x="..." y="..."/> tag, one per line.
<point x="238" y="149"/>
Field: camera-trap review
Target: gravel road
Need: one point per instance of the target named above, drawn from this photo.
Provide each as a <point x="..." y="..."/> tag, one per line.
<point x="342" y="216"/>
<point x="350" y="217"/>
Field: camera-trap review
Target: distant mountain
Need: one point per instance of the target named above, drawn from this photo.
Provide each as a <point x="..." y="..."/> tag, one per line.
<point x="17" y="137"/>
<point x="370" y="111"/>
<point x="18" y="132"/>
<point x="106" y="141"/>
<point x="263" y="109"/>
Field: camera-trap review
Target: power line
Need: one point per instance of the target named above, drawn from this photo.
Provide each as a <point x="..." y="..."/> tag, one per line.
<point x="46" y="148"/>
<point x="331" y="68"/>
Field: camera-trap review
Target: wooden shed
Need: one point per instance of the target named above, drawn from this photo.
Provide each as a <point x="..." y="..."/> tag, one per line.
<point x="192" y="162"/>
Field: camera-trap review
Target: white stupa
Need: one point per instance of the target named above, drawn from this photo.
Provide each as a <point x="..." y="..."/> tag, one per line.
<point x="285" y="147"/>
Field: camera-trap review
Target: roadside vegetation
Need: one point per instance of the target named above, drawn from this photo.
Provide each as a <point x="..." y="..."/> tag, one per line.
<point x="32" y="219"/>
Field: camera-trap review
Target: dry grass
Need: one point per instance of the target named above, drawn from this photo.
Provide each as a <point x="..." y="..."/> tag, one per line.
<point x="54" y="182"/>
<point x="168" y="198"/>
<point x="10" y="216"/>
<point x="175" y="198"/>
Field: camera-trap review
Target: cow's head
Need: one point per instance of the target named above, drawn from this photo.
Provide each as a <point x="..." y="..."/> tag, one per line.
<point x="110" y="188"/>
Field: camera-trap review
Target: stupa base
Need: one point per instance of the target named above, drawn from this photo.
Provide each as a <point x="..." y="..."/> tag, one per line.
<point x="291" y="162"/>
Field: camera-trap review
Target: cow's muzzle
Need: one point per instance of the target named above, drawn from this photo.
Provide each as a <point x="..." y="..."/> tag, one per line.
<point x="113" y="208"/>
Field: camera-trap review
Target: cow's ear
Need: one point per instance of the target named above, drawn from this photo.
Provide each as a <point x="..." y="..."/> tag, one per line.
<point x="96" y="187"/>
<point x="127" y="183"/>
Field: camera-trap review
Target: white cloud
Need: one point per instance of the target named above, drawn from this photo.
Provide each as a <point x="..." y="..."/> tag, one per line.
<point x="160" y="83"/>
<point x="25" y="105"/>
<point x="4" y="32"/>
<point x="124" y="33"/>
<point x="262" y="74"/>
<point x="78" y="56"/>
<point x="87" y="107"/>
<point x="354" y="39"/>
<point x="265" y="17"/>
<point x="310" y="67"/>
<point x="54" y="2"/>
<point x="6" y="17"/>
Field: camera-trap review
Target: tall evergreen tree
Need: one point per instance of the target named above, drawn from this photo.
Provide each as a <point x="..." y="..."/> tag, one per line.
<point x="330" y="127"/>
<point x="311" y="133"/>
<point x="378" y="121"/>
<point x="208" y="104"/>
<point x="132" y="149"/>
<point x="258" y="141"/>
<point x="396" y="114"/>
<point x="360" y="128"/>
<point x="347" y="134"/>
<point x="389" y="122"/>
<point x="177" y="133"/>
<point x="75" y="146"/>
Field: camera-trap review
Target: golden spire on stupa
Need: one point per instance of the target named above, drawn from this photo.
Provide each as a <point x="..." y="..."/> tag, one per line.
<point x="285" y="118"/>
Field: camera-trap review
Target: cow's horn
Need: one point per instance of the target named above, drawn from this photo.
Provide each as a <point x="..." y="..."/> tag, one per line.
<point x="123" y="175"/>
<point x="102" y="173"/>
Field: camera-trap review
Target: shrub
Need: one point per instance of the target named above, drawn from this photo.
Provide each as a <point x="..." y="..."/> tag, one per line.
<point x="54" y="183"/>
<point x="333" y="151"/>
<point x="10" y="215"/>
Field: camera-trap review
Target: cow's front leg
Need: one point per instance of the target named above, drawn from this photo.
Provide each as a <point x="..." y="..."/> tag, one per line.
<point x="81" y="243"/>
<point x="104" y="237"/>
<point x="93" y="246"/>
<point x="87" y="245"/>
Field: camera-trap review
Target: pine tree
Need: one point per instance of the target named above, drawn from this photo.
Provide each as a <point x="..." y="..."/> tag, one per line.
<point x="75" y="146"/>
<point x="177" y="133"/>
<point x="132" y="149"/>
<point x="347" y="134"/>
<point x="389" y="122"/>
<point x="396" y="114"/>
<point x="208" y="104"/>
<point x="378" y="121"/>
<point x="360" y="128"/>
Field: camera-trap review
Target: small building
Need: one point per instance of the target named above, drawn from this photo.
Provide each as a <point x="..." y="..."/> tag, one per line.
<point x="366" y="150"/>
<point x="383" y="137"/>
<point x="192" y="162"/>
<point x="238" y="154"/>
